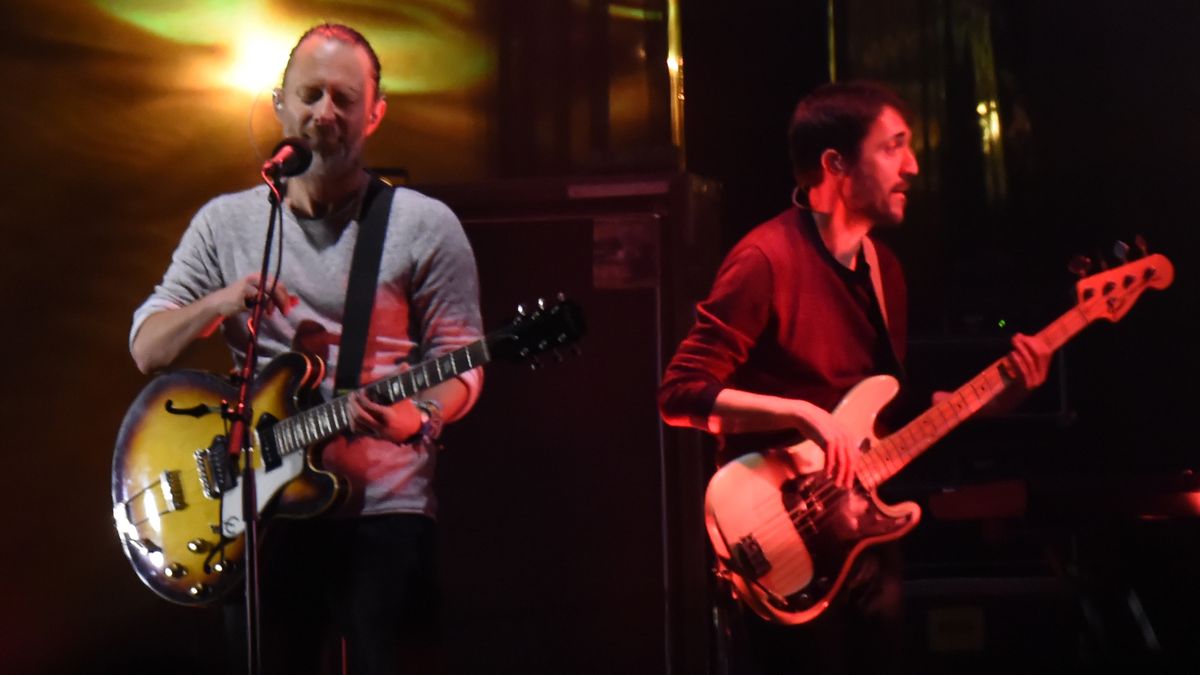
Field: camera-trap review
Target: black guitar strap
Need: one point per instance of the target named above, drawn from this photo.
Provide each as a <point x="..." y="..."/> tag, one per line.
<point x="364" y="277"/>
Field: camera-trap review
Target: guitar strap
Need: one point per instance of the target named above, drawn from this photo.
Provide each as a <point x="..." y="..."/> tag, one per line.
<point x="364" y="278"/>
<point x="872" y="259"/>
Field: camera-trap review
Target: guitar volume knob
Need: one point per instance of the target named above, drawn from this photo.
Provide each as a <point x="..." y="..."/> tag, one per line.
<point x="198" y="546"/>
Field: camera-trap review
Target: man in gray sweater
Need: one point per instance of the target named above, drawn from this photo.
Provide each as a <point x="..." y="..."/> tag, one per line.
<point x="364" y="575"/>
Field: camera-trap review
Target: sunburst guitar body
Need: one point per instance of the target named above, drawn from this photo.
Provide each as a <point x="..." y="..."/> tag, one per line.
<point x="177" y="488"/>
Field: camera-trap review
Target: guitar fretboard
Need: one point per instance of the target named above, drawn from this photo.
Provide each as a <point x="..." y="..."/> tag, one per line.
<point x="326" y="420"/>
<point x="896" y="451"/>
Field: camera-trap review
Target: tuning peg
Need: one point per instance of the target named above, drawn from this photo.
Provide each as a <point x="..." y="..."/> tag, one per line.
<point x="1140" y="242"/>
<point x="558" y="357"/>
<point x="541" y="303"/>
<point x="561" y="297"/>
<point x="535" y="363"/>
<point x="521" y="310"/>
<point x="1080" y="265"/>
<point x="1120" y="251"/>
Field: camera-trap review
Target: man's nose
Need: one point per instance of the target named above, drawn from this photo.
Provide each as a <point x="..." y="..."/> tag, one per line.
<point x="324" y="110"/>
<point x="909" y="167"/>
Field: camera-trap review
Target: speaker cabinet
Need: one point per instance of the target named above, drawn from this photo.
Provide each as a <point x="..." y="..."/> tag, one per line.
<point x="571" y="521"/>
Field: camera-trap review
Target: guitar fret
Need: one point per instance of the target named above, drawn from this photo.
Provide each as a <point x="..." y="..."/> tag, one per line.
<point x="314" y="424"/>
<point x="870" y="469"/>
<point x="310" y="429"/>
<point x="281" y="440"/>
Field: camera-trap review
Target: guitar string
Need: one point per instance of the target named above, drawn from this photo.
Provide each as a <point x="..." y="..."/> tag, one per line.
<point x="302" y="423"/>
<point x="828" y="494"/>
<point x="822" y="494"/>
<point x="983" y="388"/>
<point x="893" y="453"/>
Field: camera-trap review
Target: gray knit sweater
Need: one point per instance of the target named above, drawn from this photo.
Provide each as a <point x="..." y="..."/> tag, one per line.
<point x="427" y="304"/>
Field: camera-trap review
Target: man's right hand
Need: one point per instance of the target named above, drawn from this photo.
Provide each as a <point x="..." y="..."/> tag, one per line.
<point x="240" y="295"/>
<point x="841" y="451"/>
<point x="164" y="335"/>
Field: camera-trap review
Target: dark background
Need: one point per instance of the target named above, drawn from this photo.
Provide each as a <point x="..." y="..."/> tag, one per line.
<point x="1097" y="102"/>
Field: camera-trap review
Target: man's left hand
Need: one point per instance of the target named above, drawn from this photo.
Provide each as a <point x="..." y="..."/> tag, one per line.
<point x="1029" y="361"/>
<point x="397" y="423"/>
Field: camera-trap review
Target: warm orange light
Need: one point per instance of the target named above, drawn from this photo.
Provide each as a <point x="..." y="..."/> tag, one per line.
<point x="258" y="59"/>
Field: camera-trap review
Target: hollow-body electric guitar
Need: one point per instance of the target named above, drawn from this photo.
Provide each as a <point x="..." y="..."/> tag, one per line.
<point x="786" y="536"/>
<point x="177" y="499"/>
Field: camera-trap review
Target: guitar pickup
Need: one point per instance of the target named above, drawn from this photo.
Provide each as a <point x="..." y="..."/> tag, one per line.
<point x="215" y="467"/>
<point x="268" y="448"/>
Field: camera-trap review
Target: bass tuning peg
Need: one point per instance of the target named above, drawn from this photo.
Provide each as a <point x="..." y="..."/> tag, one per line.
<point x="1080" y="265"/>
<point x="1140" y="242"/>
<point x="1120" y="251"/>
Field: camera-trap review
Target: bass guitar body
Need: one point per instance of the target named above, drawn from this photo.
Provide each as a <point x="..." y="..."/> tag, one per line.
<point x="177" y="498"/>
<point x="786" y="536"/>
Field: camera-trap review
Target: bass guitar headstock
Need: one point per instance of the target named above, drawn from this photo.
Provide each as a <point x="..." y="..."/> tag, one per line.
<point x="1110" y="294"/>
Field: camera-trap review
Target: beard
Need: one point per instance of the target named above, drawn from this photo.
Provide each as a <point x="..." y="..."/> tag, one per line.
<point x="879" y="207"/>
<point x="334" y="162"/>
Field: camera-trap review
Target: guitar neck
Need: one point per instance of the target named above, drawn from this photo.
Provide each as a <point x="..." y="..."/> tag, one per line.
<point x="896" y="451"/>
<point x="327" y="420"/>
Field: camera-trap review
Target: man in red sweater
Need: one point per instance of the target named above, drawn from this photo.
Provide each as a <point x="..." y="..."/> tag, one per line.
<point x="807" y="305"/>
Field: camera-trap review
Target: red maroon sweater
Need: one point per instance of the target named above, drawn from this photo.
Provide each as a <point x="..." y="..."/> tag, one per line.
<point x="784" y="318"/>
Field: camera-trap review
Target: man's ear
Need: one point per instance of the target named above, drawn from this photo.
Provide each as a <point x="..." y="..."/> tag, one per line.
<point x="277" y="103"/>
<point x="375" y="117"/>
<point x="833" y="162"/>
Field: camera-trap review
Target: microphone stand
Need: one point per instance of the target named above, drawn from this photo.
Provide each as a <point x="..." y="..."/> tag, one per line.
<point x="240" y="442"/>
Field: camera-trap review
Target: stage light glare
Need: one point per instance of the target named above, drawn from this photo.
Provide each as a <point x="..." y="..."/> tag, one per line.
<point x="258" y="59"/>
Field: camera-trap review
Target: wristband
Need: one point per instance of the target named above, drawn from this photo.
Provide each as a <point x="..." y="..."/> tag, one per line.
<point x="431" y="419"/>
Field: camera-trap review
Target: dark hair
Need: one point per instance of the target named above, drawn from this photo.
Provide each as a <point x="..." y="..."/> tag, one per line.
<point x="835" y="116"/>
<point x="342" y="33"/>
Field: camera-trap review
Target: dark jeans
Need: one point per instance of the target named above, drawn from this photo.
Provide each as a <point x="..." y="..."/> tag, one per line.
<point x="861" y="631"/>
<point x="358" y="591"/>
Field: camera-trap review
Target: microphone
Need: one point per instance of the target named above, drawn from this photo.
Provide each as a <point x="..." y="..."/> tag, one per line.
<point x="290" y="158"/>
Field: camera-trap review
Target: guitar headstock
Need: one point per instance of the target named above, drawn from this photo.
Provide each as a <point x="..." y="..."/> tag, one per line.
<point x="1111" y="294"/>
<point x="538" y="328"/>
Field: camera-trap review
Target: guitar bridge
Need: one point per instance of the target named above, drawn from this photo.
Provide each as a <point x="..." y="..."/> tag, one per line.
<point x="749" y="559"/>
<point x="172" y="489"/>
<point x="214" y="466"/>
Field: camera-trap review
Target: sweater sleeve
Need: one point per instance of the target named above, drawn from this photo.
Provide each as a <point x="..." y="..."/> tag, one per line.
<point x="728" y="324"/>
<point x="194" y="272"/>
<point x="445" y="292"/>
